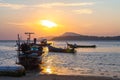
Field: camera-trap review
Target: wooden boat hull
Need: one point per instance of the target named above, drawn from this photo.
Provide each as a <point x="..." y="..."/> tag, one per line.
<point x="81" y="46"/>
<point x="67" y="50"/>
<point x="30" y="60"/>
<point x="86" y="46"/>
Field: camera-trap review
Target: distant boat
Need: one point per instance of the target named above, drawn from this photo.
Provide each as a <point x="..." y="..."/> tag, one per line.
<point x="61" y="50"/>
<point x="56" y="49"/>
<point x="80" y="46"/>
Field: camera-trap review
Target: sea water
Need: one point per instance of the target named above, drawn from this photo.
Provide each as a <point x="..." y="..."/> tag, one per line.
<point x="104" y="60"/>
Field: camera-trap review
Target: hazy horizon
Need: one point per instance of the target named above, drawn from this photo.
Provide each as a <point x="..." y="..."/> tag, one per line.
<point x="24" y="37"/>
<point x="88" y="17"/>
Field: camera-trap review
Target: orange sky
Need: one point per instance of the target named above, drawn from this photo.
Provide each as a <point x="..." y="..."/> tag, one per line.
<point x="99" y="18"/>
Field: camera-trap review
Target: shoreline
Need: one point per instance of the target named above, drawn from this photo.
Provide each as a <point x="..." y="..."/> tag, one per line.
<point x="33" y="76"/>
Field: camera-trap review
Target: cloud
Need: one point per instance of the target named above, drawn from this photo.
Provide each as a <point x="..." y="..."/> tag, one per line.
<point x="13" y="6"/>
<point x="46" y="5"/>
<point x="19" y="23"/>
<point x="60" y="4"/>
<point x="22" y="23"/>
<point x="83" y="11"/>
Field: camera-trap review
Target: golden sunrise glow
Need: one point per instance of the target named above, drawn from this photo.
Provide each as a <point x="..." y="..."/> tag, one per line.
<point x="48" y="23"/>
<point x="47" y="70"/>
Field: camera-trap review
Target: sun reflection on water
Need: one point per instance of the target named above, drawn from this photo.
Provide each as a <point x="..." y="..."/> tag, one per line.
<point x="52" y="64"/>
<point x="55" y="64"/>
<point x="47" y="65"/>
<point x="47" y="70"/>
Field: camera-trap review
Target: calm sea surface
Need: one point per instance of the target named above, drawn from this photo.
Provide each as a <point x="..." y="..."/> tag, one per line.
<point x="104" y="60"/>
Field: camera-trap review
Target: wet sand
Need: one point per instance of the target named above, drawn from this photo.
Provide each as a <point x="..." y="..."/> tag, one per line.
<point x="57" y="77"/>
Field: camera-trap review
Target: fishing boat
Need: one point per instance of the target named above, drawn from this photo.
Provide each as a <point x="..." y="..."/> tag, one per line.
<point x="80" y="46"/>
<point x="61" y="50"/>
<point x="56" y="49"/>
<point x="29" y="53"/>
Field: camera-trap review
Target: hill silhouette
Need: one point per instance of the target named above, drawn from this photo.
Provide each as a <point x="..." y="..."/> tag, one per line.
<point x="70" y="34"/>
<point x="76" y="36"/>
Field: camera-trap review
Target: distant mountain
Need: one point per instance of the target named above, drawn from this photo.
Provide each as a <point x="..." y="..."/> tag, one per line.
<point x="75" y="36"/>
<point x="70" y="34"/>
<point x="47" y="37"/>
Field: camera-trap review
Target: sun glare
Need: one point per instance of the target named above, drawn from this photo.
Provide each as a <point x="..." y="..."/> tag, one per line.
<point x="48" y="23"/>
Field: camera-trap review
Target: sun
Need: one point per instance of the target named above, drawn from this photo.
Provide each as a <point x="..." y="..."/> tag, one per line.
<point x="48" y="23"/>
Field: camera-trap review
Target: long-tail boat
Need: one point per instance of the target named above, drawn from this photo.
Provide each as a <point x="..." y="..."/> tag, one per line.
<point x="29" y="53"/>
<point x="80" y="46"/>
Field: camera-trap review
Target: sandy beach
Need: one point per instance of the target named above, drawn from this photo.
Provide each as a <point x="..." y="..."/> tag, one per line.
<point x="36" y="76"/>
<point x="58" y="77"/>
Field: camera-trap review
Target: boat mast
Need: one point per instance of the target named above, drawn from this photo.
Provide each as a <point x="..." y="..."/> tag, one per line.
<point x="29" y="36"/>
<point x="18" y="42"/>
<point x="18" y="48"/>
